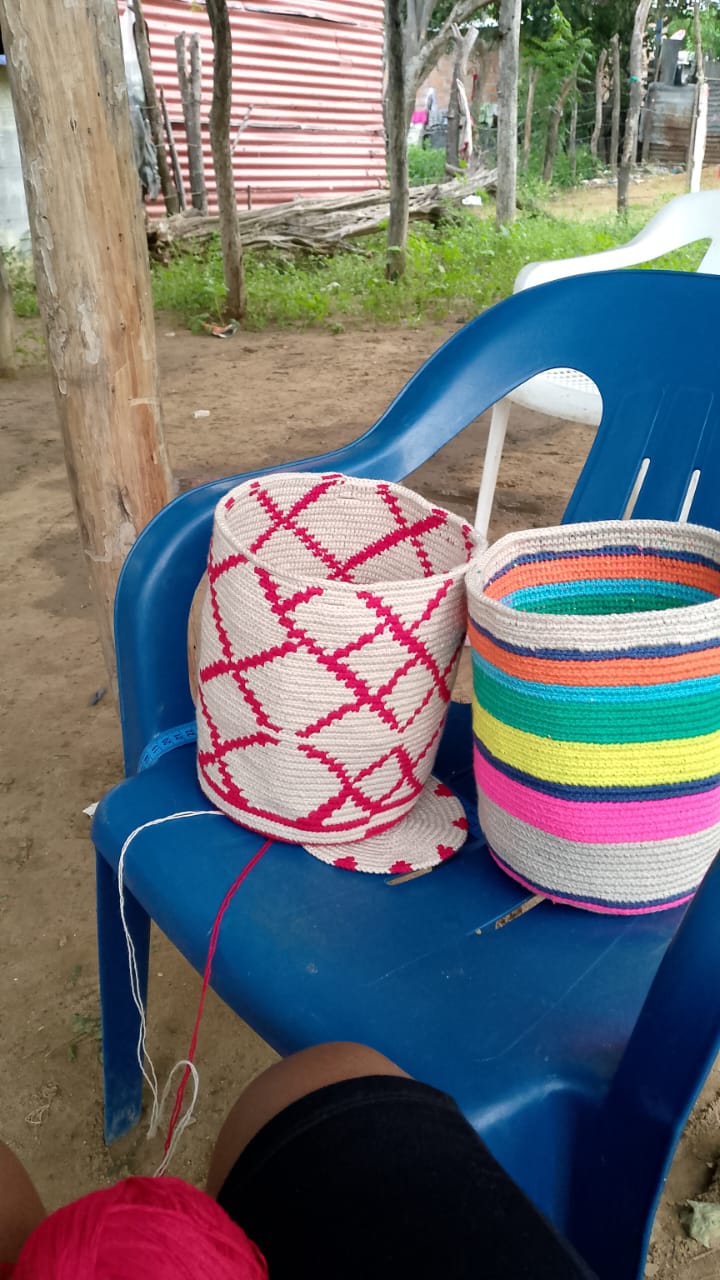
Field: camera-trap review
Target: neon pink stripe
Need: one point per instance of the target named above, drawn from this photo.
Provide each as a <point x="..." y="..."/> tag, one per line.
<point x="599" y="822"/>
<point x="590" y="906"/>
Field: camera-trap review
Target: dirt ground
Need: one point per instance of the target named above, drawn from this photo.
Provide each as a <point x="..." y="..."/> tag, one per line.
<point x="270" y="397"/>
<point x="646" y="189"/>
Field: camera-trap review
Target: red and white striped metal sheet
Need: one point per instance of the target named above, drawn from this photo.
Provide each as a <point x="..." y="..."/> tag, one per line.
<point x="312" y="74"/>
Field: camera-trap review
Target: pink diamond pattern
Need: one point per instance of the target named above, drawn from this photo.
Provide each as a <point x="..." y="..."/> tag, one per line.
<point x="379" y="671"/>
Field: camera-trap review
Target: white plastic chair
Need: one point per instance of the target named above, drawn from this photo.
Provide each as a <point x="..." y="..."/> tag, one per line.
<point x="564" y="393"/>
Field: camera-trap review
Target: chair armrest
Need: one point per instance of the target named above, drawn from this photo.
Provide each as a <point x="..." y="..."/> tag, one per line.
<point x="680" y="222"/>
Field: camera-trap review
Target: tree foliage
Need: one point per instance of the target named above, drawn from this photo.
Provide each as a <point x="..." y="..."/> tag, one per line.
<point x="682" y="18"/>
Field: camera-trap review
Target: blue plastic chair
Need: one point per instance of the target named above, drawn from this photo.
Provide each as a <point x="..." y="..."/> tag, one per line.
<point x="575" y="1043"/>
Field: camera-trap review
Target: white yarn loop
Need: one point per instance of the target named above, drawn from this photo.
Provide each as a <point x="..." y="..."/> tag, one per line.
<point x="145" y="1062"/>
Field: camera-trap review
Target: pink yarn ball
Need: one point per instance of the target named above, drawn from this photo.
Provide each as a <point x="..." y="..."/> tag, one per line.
<point x="144" y="1228"/>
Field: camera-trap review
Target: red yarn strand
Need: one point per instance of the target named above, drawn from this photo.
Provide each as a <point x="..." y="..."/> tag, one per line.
<point x="212" y="948"/>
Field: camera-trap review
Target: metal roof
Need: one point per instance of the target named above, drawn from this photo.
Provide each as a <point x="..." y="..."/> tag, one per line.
<point x="313" y="78"/>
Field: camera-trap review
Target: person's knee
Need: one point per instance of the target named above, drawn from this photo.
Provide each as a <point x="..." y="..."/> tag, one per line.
<point x="284" y="1083"/>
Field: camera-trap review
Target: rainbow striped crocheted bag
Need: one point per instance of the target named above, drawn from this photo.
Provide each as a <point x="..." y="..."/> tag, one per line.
<point x="596" y="710"/>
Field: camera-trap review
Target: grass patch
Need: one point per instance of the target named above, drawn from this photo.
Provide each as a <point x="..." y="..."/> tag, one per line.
<point x="453" y="271"/>
<point x="426" y="165"/>
<point x="22" y="283"/>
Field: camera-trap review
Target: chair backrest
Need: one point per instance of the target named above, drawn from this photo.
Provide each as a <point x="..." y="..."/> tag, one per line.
<point x="647" y="339"/>
<point x="649" y="342"/>
<point x="680" y="222"/>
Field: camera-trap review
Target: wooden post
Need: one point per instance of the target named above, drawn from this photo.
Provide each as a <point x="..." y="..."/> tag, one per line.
<point x="508" y="66"/>
<point x="599" y="94"/>
<point x="142" y="45"/>
<point x="646" y="119"/>
<point x="230" y="239"/>
<point x="396" y="123"/>
<point x="698" y="127"/>
<point x="7" y="324"/>
<point x="572" y="136"/>
<point x="616" y="101"/>
<point x="529" y="105"/>
<point x="177" y="171"/>
<point x="190" y="92"/>
<point x="700" y="137"/>
<point x="91" y="267"/>
<point x="632" y="119"/>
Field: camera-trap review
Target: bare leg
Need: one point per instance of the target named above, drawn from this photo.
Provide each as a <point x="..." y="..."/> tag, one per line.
<point x="283" y="1083"/>
<point x="21" y="1209"/>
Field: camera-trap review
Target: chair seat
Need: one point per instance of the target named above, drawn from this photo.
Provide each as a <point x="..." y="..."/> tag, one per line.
<point x="562" y="393"/>
<point x="419" y="969"/>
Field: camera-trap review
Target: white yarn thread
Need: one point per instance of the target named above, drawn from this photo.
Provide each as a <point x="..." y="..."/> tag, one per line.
<point x="143" y="1057"/>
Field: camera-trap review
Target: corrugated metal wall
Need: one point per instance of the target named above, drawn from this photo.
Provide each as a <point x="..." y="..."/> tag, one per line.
<point x="313" y="75"/>
<point x="671" y="108"/>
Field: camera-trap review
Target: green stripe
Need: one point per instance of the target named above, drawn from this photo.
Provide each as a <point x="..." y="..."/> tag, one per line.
<point x="568" y="602"/>
<point x="573" y="721"/>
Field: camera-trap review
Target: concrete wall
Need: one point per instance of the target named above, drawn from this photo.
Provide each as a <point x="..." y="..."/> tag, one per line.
<point x="14" y="230"/>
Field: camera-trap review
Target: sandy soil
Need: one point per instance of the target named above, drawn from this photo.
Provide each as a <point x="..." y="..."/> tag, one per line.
<point x="270" y="397"/>
<point x="646" y="190"/>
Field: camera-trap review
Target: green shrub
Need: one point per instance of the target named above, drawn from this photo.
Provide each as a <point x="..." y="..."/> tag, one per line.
<point x="22" y="283"/>
<point x="453" y="270"/>
<point x="425" y="165"/>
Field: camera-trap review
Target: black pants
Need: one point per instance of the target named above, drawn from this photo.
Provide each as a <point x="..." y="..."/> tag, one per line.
<point x="382" y="1178"/>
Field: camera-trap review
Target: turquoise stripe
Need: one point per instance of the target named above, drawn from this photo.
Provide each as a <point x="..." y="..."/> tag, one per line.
<point x="645" y="589"/>
<point x="640" y="721"/>
<point x="678" y="689"/>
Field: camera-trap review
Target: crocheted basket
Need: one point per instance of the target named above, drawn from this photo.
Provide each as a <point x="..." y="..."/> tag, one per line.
<point x="329" y="643"/>
<point x="596" y="710"/>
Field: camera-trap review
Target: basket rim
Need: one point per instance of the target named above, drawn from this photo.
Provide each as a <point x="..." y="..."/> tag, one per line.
<point x="349" y="590"/>
<point x="486" y="562"/>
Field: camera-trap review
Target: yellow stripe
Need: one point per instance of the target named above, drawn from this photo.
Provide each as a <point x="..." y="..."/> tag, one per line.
<point x="621" y="764"/>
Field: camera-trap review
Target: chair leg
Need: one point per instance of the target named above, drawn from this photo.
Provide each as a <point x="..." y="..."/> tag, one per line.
<point x="120" y="1020"/>
<point x="491" y="465"/>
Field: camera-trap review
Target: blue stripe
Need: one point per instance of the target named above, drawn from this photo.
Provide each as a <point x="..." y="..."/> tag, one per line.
<point x="597" y="655"/>
<point x="608" y="903"/>
<point x="677" y="690"/>
<point x="537" y="557"/>
<point x="571" y="791"/>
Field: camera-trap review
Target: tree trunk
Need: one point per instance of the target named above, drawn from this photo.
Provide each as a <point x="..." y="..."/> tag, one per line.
<point x="397" y="159"/>
<point x="464" y="46"/>
<point x="553" y="130"/>
<point x="632" y="119"/>
<point x="572" y="137"/>
<point x="508" y="64"/>
<point x="599" y="87"/>
<point x="230" y="240"/>
<point x="422" y="51"/>
<point x="529" y="106"/>
<point x="698" y="129"/>
<point x="190" y="92"/>
<point x="91" y="268"/>
<point x="7" y="324"/>
<point x="170" y="195"/>
<point x="616" y="103"/>
<point x="177" y="171"/>
<point x="646" y="121"/>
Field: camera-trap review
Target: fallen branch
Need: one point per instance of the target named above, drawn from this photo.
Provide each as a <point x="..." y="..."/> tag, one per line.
<point x="319" y="226"/>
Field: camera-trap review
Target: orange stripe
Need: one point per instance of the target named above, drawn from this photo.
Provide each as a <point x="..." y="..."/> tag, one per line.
<point x="582" y="568"/>
<point x="598" y="671"/>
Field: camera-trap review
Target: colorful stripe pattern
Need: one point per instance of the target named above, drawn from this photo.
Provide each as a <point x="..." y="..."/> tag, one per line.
<point x="596" y="710"/>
